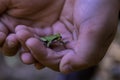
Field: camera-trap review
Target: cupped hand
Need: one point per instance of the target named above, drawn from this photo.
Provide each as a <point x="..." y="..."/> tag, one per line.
<point x="86" y="27"/>
<point x="37" y="14"/>
<point x="28" y="12"/>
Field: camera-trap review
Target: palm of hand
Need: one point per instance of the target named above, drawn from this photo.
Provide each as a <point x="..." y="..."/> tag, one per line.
<point x="69" y="18"/>
<point x="44" y="18"/>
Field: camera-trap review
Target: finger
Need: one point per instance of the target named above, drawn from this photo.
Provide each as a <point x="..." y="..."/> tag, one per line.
<point x="44" y="55"/>
<point x="3" y="28"/>
<point x="23" y="27"/>
<point x="31" y="42"/>
<point x="3" y="33"/>
<point x="27" y="58"/>
<point x="2" y="38"/>
<point x="11" y="45"/>
<point x="39" y="65"/>
<point x="23" y="35"/>
<point x="70" y="63"/>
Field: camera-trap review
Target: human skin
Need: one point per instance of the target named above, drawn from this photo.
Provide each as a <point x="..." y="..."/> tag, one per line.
<point x="35" y="14"/>
<point x="87" y="26"/>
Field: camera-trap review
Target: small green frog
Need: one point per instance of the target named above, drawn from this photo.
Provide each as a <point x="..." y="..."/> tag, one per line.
<point x="51" y="38"/>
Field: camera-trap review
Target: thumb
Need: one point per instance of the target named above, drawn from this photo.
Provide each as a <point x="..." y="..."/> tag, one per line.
<point x="88" y="52"/>
<point x="70" y="63"/>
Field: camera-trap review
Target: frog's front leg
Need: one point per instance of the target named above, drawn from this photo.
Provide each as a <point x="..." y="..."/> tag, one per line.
<point x="49" y="43"/>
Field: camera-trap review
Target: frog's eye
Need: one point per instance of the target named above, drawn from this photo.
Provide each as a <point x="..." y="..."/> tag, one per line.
<point x="60" y="36"/>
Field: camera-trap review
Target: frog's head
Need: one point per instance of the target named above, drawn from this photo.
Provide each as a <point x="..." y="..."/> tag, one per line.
<point x="58" y="35"/>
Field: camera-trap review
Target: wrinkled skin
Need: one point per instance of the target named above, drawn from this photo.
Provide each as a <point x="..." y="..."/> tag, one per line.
<point x="87" y="28"/>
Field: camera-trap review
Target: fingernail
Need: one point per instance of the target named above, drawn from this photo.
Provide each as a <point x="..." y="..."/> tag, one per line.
<point x="12" y="43"/>
<point x="66" y="69"/>
<point x="38" y="66"/>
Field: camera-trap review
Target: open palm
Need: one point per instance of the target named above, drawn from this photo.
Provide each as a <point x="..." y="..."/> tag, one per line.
<point x="82" y="24"/>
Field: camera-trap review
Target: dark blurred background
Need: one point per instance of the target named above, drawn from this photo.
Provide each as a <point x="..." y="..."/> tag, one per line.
<point x="109" y="68"/>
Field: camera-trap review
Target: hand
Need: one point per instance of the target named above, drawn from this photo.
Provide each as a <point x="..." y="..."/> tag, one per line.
<point x="40" y="13"/>
<point x="87" y="28"/>
<point x="78" y="23"/>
